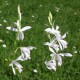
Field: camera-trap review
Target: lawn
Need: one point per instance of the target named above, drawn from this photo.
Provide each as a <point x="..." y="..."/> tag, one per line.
<point x="66" y="14"/>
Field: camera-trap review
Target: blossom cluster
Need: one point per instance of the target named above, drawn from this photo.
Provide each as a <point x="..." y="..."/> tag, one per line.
<point x="55" y="44"/>
<point x="25" y="51"/>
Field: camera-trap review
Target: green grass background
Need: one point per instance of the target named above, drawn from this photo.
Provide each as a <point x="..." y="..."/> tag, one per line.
<point x="68" y="18"/>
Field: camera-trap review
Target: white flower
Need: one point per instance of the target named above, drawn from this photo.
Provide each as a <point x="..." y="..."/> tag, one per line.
<point x="51" y="64"/>
<point x="62" y="43"/>
<point x="35" y="70"/>
<point x="4" y="45"/>
<point x="20" y="34"/>
<point x="19" y="30"/>
<point x="25" y="53"/>
<point x="53" y="45"/>
<point x="57" y="57"/>
<point x="53" y="31"/>
<point x="17" y="65"/>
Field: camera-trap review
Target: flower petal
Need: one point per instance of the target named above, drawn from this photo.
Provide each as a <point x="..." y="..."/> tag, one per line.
<point x="26" y="28"/>
<point x="51" y="50"/>
<point x="12" y="29"/>
<point x="18" y="66"/>
<point x="20" y="36"/>
<point x="51" y="64"/>
<point x="59" y="60"/>
<point x="14" y="70"/>
<point x="48" y="30"/>
<point x="63" y="36"/>
<point x="57" y="27"/>
<point x="68" y="54"/>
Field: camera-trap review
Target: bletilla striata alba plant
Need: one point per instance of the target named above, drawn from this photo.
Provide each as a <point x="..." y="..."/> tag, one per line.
<point x="19" y="30"/>
<point x="55" y="44"/>
<point x="25" y="51"/>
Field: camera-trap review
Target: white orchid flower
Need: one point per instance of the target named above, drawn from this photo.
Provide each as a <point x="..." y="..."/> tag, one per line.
<point x="17" y="65"/>
<point x="51" y="64"/>
<point x="25" y="53"/>
<point x="57" y="57"/>
<point x="20" y="34"/>
<point x="52" y="44"/>
<point x="19" y="30"/>
<point x="62" y="43"/>
<point x="53" y="31"/>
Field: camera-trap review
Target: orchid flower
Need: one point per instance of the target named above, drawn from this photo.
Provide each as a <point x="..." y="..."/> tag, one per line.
<point x="17" y="65"/>
<point x="51" y="64"/>
<point x="20" y="34"/>
<point x="52" y="44"/>
<point x="57" y="57"/>
<point x="62" y="43"/>
<point x="25" y="53"/>
<point x="19" y="30"/>
<point x="53" y="31"/>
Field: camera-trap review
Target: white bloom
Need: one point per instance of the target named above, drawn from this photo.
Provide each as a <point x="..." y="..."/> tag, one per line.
<point x="4" y="45"/>
<point x="20" y="34"/>
<point x="53" y="45"/>
<point x="25" y="53"/>
<point x="17" y="65"/>
<point x="51" y="64"/>
<point x="62" y="43"/>
<point x="35" y="70"/>
<point x="57" y="58"/>
<point x="53" y="31"/>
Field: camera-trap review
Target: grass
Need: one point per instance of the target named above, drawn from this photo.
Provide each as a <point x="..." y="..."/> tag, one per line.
<point x="68" y="18"/>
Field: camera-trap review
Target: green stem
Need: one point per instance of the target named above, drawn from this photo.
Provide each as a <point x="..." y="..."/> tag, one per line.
<point x="12" y="75"/>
